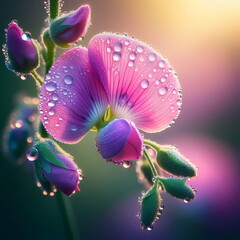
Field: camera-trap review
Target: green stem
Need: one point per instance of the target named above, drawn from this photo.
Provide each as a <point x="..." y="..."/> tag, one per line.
<point x="154" y="170"/>
<point x="65" y="210"/>
<point x="54" y="9"/>
<point x="37" y="77"/>
<point x="152" y="144"/>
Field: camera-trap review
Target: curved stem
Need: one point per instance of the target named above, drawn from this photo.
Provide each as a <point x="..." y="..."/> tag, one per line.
<point x="154" y="170"/>
<point x="64" y="207"/>
<point x="37" y="77"/>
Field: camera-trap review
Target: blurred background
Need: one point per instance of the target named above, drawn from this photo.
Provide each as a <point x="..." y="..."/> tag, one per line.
<point x="201" y="39"/>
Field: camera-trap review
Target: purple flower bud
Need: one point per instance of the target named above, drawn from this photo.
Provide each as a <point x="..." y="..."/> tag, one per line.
<point x="17" y="140"/>
<point x="69" y="28"/>
<point x="21" y="52"/>
<point x="120" y="141"/>
<point x="56" y="166"/>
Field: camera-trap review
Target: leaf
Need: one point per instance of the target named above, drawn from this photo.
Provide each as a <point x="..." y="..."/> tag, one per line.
<point x="178" y="188"/>
<point x="150" y="206"/>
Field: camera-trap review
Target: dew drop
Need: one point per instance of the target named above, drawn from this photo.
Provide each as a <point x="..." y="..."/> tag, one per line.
<point x="74" y="128"/>
<point x="132" y="55"/>
<point x="152" y="57"/>
<point x="131" y="63"/>
<point x="68" y="79"/>
<point x="140" y="49"/>
<point x="149" y="228"/>
<point x="55" y="97"/>
<point x="117" y="47"/>
<point x="161" y="64"/>
<point x="24" y="76"/>
<point x="65" y="92"/>
<point x="51" y="103"/>
<point x="174" y="91"/>
<point x="116" y="56"/>
<point x="163" y="79"/>
<point x="51" y="112"/>
<point x="51" y="86"/>
<point x="126" y="42"/>
<point x="145" y="83"/>
<point x="26" y="36"/>
<point x="48" y="76"/>
<point x="32" y="154"/>
<point x="179" y="102"/>
<point x="60" y="118"/>
<point x="127" y="164"/>
<point x="109" y="49"/>
<point x="163" y="90"/>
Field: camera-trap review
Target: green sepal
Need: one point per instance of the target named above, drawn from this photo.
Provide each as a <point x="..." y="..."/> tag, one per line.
<point x="178" y="188"/>
<point x="170" y="159"/>
<point x="46" y="153"/>
<point x="44" y="183"/>
<point x="150" y="206"/>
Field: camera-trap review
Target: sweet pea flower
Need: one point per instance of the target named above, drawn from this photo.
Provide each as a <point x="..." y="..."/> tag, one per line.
<point x="55" y="165"/>
<point x="21" y="52"/>
<point x="69" y="28"/>
<point x="116" y="72"/>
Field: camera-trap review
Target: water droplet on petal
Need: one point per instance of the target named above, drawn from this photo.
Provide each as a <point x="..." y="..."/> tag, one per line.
<point x="51" y="112"/>
<point x="116" y="56"/>
<point x="174" y="91"/>
<point x="145" y="83"/>
<point x="127" y="164"/>
<point x="74" y="128"/>
<point x="161" y="64"/>
<point x="157" y="82"/>
<point x="55" y="97"/>
<point x="32" y="154"/>
<point x="51" y="103"/>
<point x="132" y="55"/>
<point x="109" y="49"/>
<point x="163" y="90"/>
<point x="48" y="76"/>
<point x="179" y="102"/>
<point x="68" y="79"/>
<point x="140" y="49"/>
<point x="117" y="47"/>
<point x="152" y="57"/>
<point x="163" y="79"/>
<point x="126" y="42"/>
<point x="26" y="36"/>
<point x="131" y="63"/>
<point x="51" y="86"/>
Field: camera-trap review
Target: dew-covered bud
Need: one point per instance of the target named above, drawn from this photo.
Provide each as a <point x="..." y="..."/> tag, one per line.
<point x="69" y="28"/>
<point x="150" y="207"/>
<point x="21" y="52"/>
<point x="120" y="141"/>
<point x="178" y="188"/>
<point x="56" y="166"/>
<point x="172" y="161"/>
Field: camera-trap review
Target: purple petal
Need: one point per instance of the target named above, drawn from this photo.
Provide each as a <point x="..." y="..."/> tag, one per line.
<point x="140" y="83"/>
<point x="120" y="141"/>
<point x="72" y="99"/>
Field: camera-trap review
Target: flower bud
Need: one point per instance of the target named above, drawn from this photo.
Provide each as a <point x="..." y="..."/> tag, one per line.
<point x="56" y="166"/>
<point x="21" y="52"/>
<point x="170" y="159"/>
<point x="120" y="141"/>
<point x="17" y="140"/>
<point x="178" y="188"/>
<point x="150" y="207"/>
<point x="69" y="28"/>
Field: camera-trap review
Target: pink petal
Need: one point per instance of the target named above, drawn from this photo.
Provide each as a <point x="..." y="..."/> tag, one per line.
<point x="72" y="99"/>
<point x="140" y="83"/>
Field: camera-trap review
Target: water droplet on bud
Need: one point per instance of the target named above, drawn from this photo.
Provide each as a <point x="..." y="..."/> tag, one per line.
<point x="32" y="154"/>
<point x="127" y="164"/>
